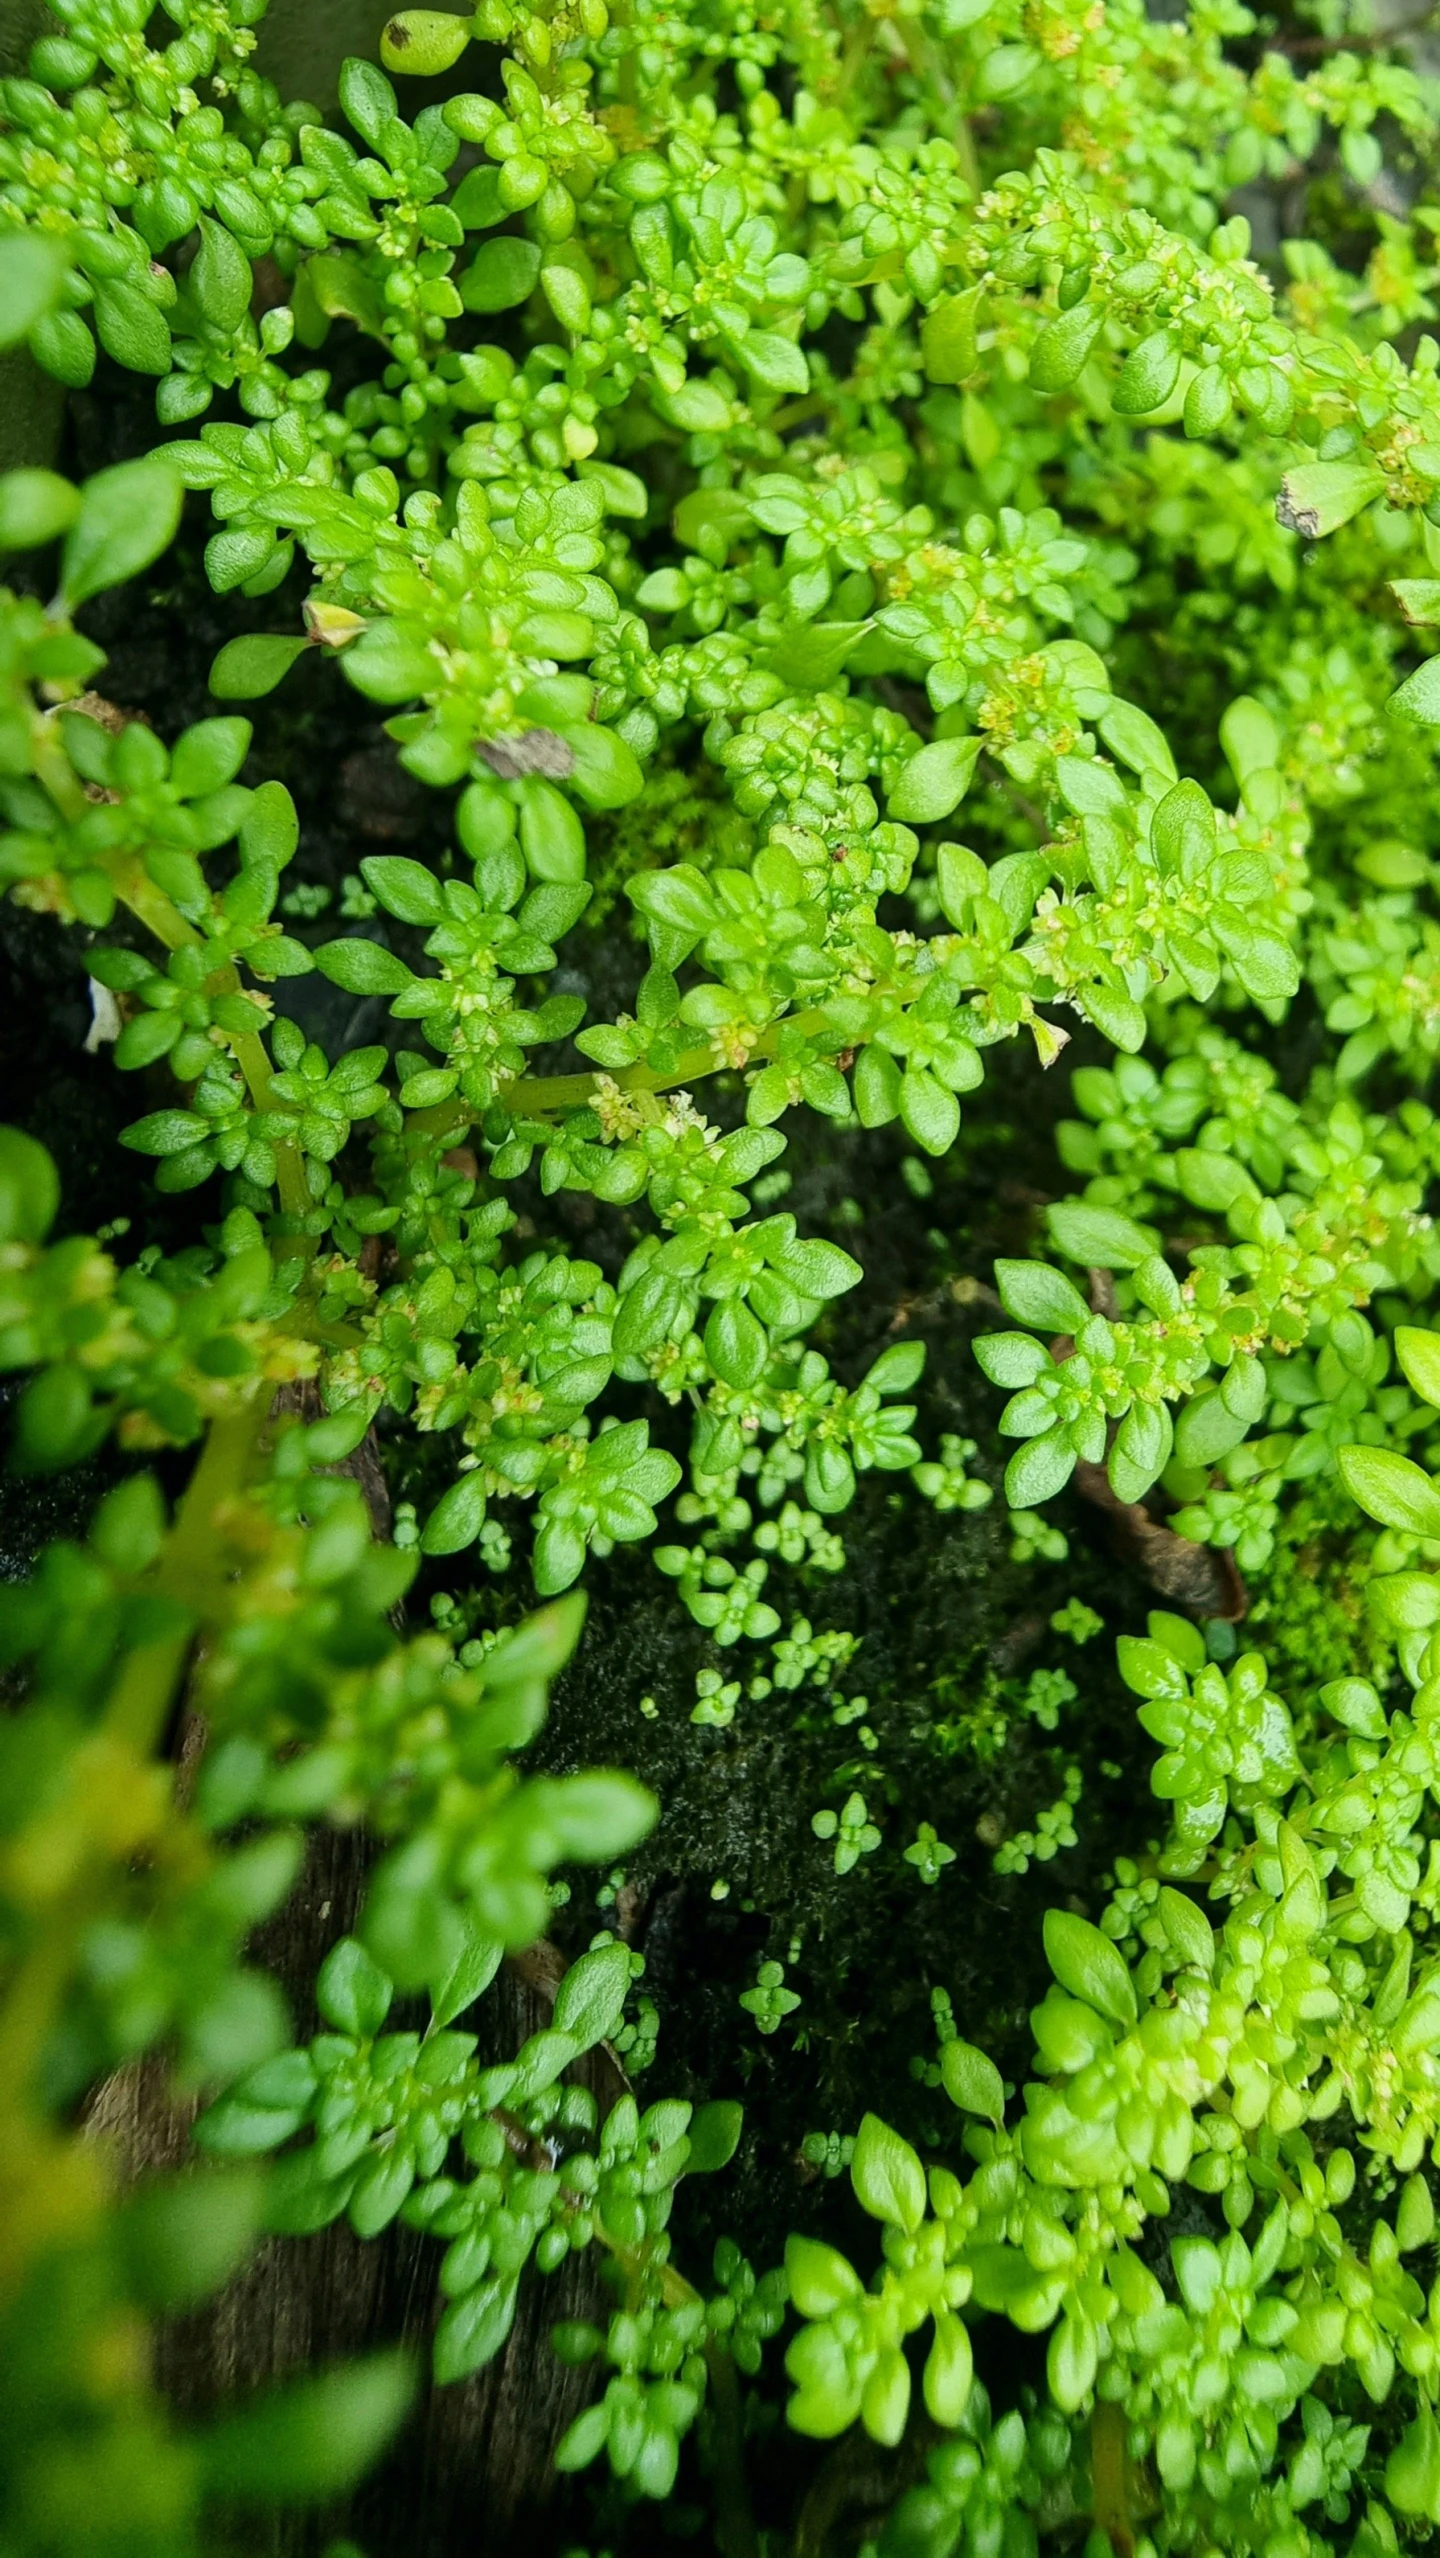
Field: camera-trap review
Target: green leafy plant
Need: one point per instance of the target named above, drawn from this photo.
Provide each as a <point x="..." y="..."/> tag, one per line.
<point x="723" y="449"/>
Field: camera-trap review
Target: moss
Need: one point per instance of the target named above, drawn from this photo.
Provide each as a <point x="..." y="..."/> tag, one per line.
<point x="1309" y="1614"/>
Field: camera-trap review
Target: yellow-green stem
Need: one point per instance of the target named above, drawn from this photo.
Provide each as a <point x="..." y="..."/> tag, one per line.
<point x="54" y="771"/>
<point x="542" y="1096"/>
<point x="135" y="1719"/>
<point x="141" y="1705"/>
<point x="1109" y="2478"/>
<point x="164" y="919"/>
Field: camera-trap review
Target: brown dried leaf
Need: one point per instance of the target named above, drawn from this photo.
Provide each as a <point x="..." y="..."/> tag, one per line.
<point x="535" y="750"/>
<point x="1201" y="1579"/>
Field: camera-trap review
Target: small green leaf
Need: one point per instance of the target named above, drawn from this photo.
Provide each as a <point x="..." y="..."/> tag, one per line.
<point x="947" y="336"/>
<point x="876" y="1087"/>
<point x="1061" y="351"/>
<point x="311" y="2440"/>
<point x="424" y="42"/>
<point x="363" y="968"/>
<point x="1043" y="1298"/>
<point x="131" y="327"/>
<point x="929" y="1109"/>
<point x="1418" y="599"/>
<point x="1148" y="375"/>
<point x="35" y="506"/>
<point x="181" y="2237"/>
<point x="949" y="2370"/>
<point x="1011" y="1359"/>
<point x="1320" y="496"/>
<point x="270" y="829"/>
<point x="246" y="668"/>
<point x="1412" y="2472"/>
<point x="351" y="1991"/>
<point x="1415" y="2219"/>
<point x="599" y="1815"/>
<point x="1207" y="1430"/>
<point x="775" y="362"/>
<point x="887" y="2176"/>
<point x="1250" y="738"/>
<point x="468" y="1977"/>
<point x="33" y="267"/>
<point x="1074" y="2350"/>
<point x="1183" y="830"/>
<point x="736" y="1346"/>
<point x="1419" y="1355"/>
<point x="29" y="1189"/>
<point x="501" y="274"/>
<point x="367" y="97"/>
<point x="127" y="517"/>
<point x="1100" y="1238"/>
<point x="163" y="1132"/>
<point x="552" y="837"/>
<point x="590" y="2001"/>
<point x="404" y="888"/>
<point x="344" y="289"/>
<point x="538" y="1648"/>
<point x="1187" y="1927"/>
<point x="476" y="203"/>
<point x="897" y="1369"/>
<point x="1134" y="739"/>
<point x="1120" y="1018"/>
<point x="1210" y="1179"/>
<point x="604" y="770"/>
<point x="1039" y="1470"/>
<point x="810" y="658"/>
<point x="1089" y="1966"/>
<point x="935" y="781"/>
<point x="220" y="277"/>
<point x="819" y="1268"/>
<point x="972" y="2081"/>
<point x="585" y="2440"/>
<point x="457" y="1518"/>
<point x="390" y="662"/>
<point x="558" y="1558"/>
<point x="62" y="344"/>
<point x="821" y="2279"/>
<point x="1392" y="1489"/>
<point x="1419" y="696"/>
<point x="1141" y="1450"/>
<point x="567" y="291"/>
<point x="885" y="2398"/>
<point x="714" y="2136"/>
<point x="1354" y="1703"/>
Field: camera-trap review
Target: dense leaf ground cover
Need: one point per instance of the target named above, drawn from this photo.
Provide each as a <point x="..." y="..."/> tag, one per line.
<point x="753" y="885"/>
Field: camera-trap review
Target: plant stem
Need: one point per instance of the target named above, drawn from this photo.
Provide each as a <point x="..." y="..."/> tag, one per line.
<point x="1110" y="2502"/>
<point x="161" y="916"/>
<point x="534" y="1095"/>
<point x="541" y="1096"/>
<point x="927" y="63"/>
<point x="735" y="2522"/>
<point x="53" y="768"/>
<point x="734" y="2519"/>
<point x="141" y="1704"/>
<point x="112" y="1768"/>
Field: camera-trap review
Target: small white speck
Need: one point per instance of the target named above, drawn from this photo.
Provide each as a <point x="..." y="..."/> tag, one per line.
<point x="105" y="1021"/>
